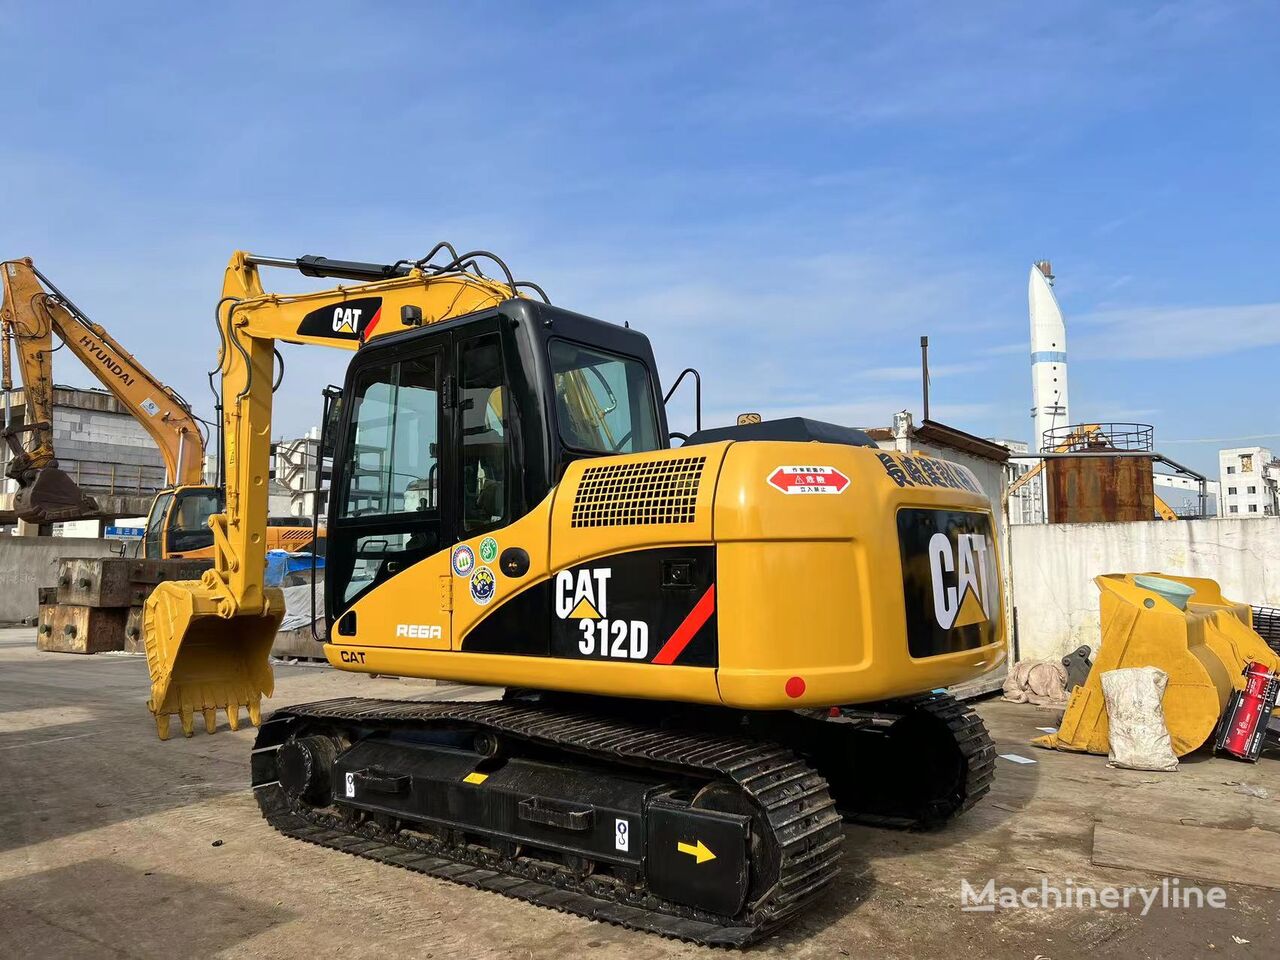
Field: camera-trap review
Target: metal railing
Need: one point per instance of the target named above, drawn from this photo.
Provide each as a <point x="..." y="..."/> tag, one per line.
<point x="115" y="479"/>
<point x="1082" y="437"/>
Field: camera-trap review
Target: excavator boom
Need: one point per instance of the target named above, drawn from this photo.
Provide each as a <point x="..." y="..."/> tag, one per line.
<point x="34" y="310"/>
<point x="199" y="661"/>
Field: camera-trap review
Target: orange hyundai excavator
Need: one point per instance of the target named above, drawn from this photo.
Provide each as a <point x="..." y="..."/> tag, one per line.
<point x="177" y="525"/>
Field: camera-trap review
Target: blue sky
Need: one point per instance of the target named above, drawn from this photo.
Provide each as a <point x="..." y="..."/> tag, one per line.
<point x="783" y="195"/>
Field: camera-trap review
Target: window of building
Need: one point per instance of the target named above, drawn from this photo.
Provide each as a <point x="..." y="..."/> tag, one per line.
<point x="1231" y="490"/>
<point x="1253" y="508"/>
<point x="1234" y="508"/>
<point x="1253" y="489"/>
<point x="1231" y="469"/>
<point x="1246" y="463"/>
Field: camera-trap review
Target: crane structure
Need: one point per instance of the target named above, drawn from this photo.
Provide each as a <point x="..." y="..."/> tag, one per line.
<point x="712" y="654"/>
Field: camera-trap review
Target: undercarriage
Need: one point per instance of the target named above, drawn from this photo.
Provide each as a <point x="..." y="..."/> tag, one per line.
<point x="706" y="825"/>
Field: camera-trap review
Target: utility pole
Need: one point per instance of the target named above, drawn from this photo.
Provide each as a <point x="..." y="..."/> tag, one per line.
<point x="924" y="372"/>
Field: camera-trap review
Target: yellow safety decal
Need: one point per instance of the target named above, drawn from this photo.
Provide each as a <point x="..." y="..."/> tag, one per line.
<point x="697" y="850"/>
<point x="476" y="777"/>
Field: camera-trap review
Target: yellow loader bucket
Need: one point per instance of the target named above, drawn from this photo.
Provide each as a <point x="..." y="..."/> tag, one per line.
<point x="1203" y="649"/>
<point x="202" y="660"/>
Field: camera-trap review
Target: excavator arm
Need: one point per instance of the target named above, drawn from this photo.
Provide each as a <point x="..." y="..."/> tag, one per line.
<point x="208" y="641"/>
<point x="26" y="326"/>
<point x="34" y="309"/>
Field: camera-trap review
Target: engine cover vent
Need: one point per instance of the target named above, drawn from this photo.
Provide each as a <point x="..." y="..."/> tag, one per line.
<point x="637" y="494"/>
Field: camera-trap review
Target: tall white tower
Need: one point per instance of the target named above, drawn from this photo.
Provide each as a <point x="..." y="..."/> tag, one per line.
<point x="1048" y="355"/>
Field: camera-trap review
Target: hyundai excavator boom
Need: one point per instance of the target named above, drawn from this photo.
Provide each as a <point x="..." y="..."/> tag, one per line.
<point x="33" y="311"/>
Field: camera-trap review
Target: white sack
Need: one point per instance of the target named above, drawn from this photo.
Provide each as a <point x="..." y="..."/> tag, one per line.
<point x="1139" y="737"/>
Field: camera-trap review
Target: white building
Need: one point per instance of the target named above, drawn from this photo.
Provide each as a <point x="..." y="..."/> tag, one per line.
<point x="101" y="447"/>
<point x="294" y="469"/>
<point x="1026" y="504"/>
<point x="1249" y="480"/>
<point x="1182" y="494"/>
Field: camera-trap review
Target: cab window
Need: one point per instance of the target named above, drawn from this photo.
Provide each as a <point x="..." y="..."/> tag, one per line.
<point x="483" y="417"/>
<point x="152" y="547"/>
<point x="604" y="402"/>
<point x="189" y="520"/>
<point x="392" y="489"/>
<point x="394" y="447"/>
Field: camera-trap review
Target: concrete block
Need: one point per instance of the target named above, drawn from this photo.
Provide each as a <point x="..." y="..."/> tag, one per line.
<point x="27" y="563"/>
<point x="297" y="644"/>
<point x="119" y="581"/>
<point x="68" y="628"/>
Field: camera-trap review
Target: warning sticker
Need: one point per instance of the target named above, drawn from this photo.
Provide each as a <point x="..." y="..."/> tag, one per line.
<point x="621" y="834"/>
<point x="808" y="480"/>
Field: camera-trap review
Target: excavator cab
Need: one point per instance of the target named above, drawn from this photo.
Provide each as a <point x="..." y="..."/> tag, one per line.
<point x="178" y="524"/>
<point x="459" y="428"/>
<point x="178" y="528"/>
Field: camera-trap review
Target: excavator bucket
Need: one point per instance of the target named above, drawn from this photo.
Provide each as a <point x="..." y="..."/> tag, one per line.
<point x="202" y="661"/>
<point x="1185" y="627"/>
<point x="53" y="497"/>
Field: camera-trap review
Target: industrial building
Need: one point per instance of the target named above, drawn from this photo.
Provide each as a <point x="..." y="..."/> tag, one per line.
<point x="101" y="447"/>
<point x="1249" y="478"/>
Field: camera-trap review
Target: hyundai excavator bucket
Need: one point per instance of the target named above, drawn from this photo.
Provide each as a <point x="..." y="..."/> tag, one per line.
<point x="52" y="497"/>
<point x="1185" y="627"/>
<point x="202" y="661"/>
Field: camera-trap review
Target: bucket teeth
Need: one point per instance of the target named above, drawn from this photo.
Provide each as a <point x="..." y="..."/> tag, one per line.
<point x="200" y="661"/>
<point x="162" y="725"/>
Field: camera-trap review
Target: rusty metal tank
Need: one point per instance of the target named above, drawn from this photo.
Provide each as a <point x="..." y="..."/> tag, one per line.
<point x="1102" y="474"/>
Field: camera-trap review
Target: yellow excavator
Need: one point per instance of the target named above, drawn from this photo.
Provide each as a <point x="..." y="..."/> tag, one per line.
<point x="33" y="310"/>
<point x="712" y="653"/>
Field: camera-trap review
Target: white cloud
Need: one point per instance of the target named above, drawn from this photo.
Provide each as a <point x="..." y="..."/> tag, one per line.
<point x="912" y="374"/>
<point x="1176" y="333"/>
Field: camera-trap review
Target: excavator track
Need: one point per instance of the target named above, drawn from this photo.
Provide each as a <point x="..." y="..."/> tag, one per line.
<point x="935" y="760"/>
<point x="792" y="827"/>
<point x="914" y="763"/>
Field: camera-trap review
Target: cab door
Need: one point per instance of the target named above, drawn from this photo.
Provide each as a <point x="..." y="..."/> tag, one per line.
<point x="389" y="531"/>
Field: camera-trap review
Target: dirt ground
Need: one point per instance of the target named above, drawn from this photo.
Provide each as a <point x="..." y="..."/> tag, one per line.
<point x="113" y="844"/>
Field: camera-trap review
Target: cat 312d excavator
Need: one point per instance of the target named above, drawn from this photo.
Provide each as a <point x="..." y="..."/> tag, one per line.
<point x="711" y="653"/>
<point x="32" y="311"/>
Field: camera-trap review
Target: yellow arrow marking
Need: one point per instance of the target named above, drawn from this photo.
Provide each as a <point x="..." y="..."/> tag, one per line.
<point x="697" y="850"/>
